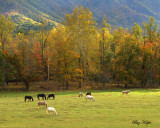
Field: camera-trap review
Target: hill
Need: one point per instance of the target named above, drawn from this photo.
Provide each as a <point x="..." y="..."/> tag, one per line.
<point x="29" y="13"/>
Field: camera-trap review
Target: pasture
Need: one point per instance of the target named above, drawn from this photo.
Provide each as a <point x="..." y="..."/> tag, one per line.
<point x="110" y="109"/>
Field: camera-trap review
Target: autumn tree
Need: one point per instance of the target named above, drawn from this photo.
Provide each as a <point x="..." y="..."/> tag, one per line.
<point x="105" y="51"/>
<point x="62" y="58"/>
<point x="42" y="37"/>
<point x="23" y="59"/>
<point x="82" y="28"/>
<point x="118" y="37"/>
<point x="151" y="39"/>
<point x="137" y="32"/>
<point x="6" y="29"/>
<point x="127" y="60"/>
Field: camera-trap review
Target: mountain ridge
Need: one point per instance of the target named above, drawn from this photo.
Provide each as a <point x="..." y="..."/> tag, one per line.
<point x="119" y="12"/>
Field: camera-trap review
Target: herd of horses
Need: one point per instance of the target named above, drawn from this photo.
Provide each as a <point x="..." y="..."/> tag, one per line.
<point x="51" y="109"/>
<point x="43" y="96"/>
<point x="43" y="103"/>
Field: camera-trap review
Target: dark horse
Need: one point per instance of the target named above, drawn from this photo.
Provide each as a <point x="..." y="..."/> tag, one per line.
<point x="29" y="98"/>
<point x="88" y="93"/>
<point x="51" y="95"/>
<point x="41" y="95"/>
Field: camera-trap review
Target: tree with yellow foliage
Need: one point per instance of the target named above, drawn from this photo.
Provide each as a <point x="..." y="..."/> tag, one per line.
<point x="82" y="28"/>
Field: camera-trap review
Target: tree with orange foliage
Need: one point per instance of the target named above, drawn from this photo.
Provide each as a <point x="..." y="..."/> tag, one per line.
<point x="23" y="60"/>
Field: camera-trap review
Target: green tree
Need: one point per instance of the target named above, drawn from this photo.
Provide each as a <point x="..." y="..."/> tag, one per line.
<point x="137" y="32"/>
<point x="6" y="29"/>
<point x="127" y="60"/>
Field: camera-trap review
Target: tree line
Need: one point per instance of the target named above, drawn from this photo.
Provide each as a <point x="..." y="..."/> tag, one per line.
<point x="78" y="50"/>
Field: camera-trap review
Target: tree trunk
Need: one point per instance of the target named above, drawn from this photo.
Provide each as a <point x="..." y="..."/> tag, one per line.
<point x="80" y="84"/>
<point x="3" y="69"/>
<point x="126" y="85"/>
<point x="27" y="85"/>
<point x="3" y="74"/>
<point x="67" y="85"/>
<point x="103" y="84"/>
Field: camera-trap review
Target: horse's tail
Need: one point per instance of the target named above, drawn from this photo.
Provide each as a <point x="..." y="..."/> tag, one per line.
<point x="25" y="99"/>
<point x="45" y="97"/>
<point x="38" y="97"/>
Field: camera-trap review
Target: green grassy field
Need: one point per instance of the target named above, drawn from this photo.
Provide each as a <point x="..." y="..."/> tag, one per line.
<point x="110" y="110"/>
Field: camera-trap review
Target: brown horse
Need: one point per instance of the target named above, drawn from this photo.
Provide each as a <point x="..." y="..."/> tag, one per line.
<point x="88" y="93"/>
<point x="80" y="94"/>
<point x="40" y="103"/>
<point x="125" y="92"/>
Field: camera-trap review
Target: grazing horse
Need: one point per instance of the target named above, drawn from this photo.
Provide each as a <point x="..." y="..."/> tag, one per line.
<point x="90" y="97"/>
<point x="80" y="94"/>
<point x="41" y="95"/>
<point x="51" y="109"/>
<point x="51" y="95"/>
<point x="29" y="98"/>
<point x="125" y="92"/>
<point x="88" y="93"/>
<point x="42" y="103"/>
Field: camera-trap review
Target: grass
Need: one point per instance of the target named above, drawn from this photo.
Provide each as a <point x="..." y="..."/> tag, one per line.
<point x="110" y="110"/>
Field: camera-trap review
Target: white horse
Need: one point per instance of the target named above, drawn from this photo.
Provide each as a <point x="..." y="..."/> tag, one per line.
<point x="53" y="110"/>
<point x="42" y="103"/>
<point x="90" y="97"/>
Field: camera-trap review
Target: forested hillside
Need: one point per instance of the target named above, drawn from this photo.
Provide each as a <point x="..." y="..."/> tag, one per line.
<point x="29" y="13"/>
<point x="79" y="51"/>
